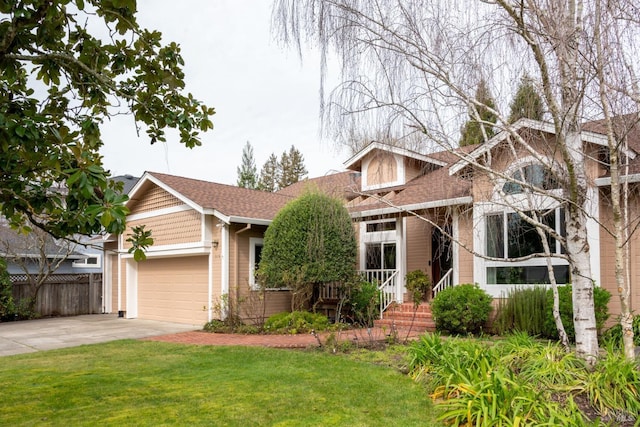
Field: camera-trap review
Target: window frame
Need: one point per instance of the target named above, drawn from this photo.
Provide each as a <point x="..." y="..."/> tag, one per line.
<point x="82" y="263"/>
<point x="253" y="243"/>
<point x="504" y="203"/>
<point x="556" y="260"/>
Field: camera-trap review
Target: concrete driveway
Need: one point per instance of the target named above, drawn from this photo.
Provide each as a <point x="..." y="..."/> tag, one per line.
<point x="29" y="336"/>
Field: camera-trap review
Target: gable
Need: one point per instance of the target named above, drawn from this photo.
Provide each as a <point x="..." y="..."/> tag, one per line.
<point x="151" y="198"/>
<point x="381" y="170"/>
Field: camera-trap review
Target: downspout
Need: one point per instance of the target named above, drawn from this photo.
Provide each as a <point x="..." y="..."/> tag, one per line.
<point x="120" y="311"/>
<point x="237" y="258"/>
<point x="107" y="287"/>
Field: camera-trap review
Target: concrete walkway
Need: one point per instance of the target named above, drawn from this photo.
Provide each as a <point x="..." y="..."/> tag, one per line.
<point x="29" y="336"/>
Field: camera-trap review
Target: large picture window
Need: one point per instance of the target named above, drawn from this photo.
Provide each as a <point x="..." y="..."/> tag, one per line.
<point x="510" y="237"/>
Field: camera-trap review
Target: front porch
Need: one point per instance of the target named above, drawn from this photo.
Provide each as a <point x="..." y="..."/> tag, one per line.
<point x="396" y="311"/>
<point x="392" y="290"/>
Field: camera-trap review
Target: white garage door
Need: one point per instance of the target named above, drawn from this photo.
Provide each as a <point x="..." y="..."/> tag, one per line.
<point x="173" y="289"/>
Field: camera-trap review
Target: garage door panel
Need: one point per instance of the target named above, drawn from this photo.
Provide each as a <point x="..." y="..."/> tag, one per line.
<point x="173" y="289"/>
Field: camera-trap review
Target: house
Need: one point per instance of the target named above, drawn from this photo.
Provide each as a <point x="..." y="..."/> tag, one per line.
<point x="207" y="242"/>
<point x="38" y="252"/>
<point x="443" y="213"/>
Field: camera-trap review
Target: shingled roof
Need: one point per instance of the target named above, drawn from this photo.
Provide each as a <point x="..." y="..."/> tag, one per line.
<point x="228" y="200"/>
<point x="341" y="185"/>
<point x="434" y="186"/>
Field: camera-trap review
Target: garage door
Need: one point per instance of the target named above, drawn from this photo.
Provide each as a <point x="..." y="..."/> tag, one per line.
<point x="173" y="289"/>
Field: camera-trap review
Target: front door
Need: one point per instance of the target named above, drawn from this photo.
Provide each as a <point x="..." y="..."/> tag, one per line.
<point x="441" y="253"/>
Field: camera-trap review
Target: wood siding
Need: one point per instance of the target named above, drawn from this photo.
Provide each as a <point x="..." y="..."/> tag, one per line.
<point x="607" y="259"/>
<point x="412" y="169"/>
<point x="465" y="258"/>
<point x="171" y="229"/>
<point x="382" y="169"/>
<point x="153" y="199"/>
<point x="418" y="235"/>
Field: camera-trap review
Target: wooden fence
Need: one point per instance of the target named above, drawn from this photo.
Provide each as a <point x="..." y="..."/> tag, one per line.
<point x="63" y="294"/>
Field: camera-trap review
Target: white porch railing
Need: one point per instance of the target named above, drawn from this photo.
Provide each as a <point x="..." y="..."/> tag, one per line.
<point x="387" y="281"/>
<point x="444" y="283"/>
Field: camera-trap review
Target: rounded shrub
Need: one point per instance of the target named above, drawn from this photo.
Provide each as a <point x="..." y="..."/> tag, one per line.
<point x="461" y="310"/>
<point x="601" y="299"/>
<point x="418" y="286"/>
<point x="310" y="241"/>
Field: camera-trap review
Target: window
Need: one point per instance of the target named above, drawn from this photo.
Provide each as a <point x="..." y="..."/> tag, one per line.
<point x="373" y="227"/>
<point x="535" y="175"/>
<point x="92" y="261"/>
<point x="255" y="255"/>
<point x="509" y="236"/>
<point x="380" y="256"/>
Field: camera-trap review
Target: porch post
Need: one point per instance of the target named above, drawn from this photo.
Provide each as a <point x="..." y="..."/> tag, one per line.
<point x="455" y="247"/>
<point x="401" y="259"/>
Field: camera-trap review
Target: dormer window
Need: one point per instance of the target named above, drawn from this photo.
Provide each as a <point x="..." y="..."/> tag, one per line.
<point x="535" y="175"/>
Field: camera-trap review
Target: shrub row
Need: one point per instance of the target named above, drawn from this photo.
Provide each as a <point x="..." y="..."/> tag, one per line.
<point x="530" y="310"/>
<point x="520" y="381"/>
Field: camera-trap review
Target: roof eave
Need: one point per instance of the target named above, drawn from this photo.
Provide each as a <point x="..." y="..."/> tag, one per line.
<point x="606" y="181"/>
<point x="148" y="176"/>
<point x="357" y="158"/>
<point x="464" y="200"/>
<point x="587" y="136"/>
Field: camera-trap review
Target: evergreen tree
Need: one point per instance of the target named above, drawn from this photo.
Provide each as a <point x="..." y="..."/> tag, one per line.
<point x="277" y="174"/>
<point x="247" y="173"/>
<point x="284" y="168"/>
<point x="298" y="171"/>
<point x="527" y="103"/>
<point x="472" y="131"/>
<point x="292" y="168"/>
<point x="269" y="174"/>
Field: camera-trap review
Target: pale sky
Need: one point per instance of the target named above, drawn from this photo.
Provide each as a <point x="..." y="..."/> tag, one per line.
<point x="262" y="93"/>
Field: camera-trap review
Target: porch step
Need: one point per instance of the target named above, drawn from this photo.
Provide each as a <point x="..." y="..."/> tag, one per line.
<point x="402" y="317"/>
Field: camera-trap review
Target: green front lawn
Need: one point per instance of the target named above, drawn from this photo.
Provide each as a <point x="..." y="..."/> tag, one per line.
<point x="150" y="383"/>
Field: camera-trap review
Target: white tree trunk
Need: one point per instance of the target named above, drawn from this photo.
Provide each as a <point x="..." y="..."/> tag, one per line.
<point x="584" y="318"/>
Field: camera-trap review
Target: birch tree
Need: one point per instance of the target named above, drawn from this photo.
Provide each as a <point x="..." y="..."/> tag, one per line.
<point x="411" y="66"/>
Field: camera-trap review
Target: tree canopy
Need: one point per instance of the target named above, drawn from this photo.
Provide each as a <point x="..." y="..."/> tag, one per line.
<point x="482" y="117"/>
<point x="268" y="180"/>
<point x="310" y="241"/>
<point x="526" y="103"/>
<point x="277" y="174"/>
<point x="66" y="67"/>
<point x="292" y="168"/>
